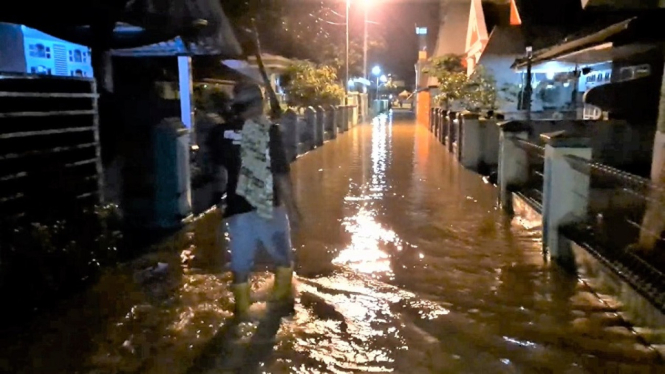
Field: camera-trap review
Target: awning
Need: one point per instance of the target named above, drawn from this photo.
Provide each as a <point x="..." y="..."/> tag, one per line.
<point x="249" y="71"/>
<point x="604" y="52"/>
<point x="595" y="39"/>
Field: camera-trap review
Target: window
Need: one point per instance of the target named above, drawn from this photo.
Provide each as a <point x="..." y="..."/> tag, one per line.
<point x="41" y="70"/>
<point x="39" y="51"/>
<point x="77" y="56"/>
<point x="642" y="71"/>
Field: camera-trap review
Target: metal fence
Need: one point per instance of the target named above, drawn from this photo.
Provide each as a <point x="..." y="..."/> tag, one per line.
<point x="49" y="146"/>
<point x="532" y="190"/>
<point x="615" y="222"/>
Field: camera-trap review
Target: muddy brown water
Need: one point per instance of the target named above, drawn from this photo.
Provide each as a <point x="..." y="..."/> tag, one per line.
<point x="405" y="265"/>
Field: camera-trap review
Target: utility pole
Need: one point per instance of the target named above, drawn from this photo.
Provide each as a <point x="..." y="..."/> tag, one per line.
<point x="528" y="89"/>
<point x="365" y="75"/>
<point x="346" y="57"/>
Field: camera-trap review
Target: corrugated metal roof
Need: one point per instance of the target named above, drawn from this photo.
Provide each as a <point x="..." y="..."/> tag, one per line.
<point x="173" y="47"/>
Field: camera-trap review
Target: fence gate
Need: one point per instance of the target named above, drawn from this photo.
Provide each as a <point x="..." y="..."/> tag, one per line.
<point x="50" y="162"/>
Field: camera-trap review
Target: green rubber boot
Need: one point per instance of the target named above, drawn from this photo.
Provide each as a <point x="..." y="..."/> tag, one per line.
<point x="282" y="294"/>
<point x="241" y="292"/>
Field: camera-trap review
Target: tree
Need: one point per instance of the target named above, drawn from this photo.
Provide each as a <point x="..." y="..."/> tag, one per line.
<point x="309" y="85"/>
<point x="474" y="93"/>
<point x="451" y="75"/>
<point x="307" y="30"/>
<point x="481" y="91"/>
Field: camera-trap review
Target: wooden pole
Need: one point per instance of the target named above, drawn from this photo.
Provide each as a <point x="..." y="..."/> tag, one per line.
<point x="275" y="108"/>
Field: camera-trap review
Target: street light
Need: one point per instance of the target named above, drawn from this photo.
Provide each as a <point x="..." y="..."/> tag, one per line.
<point x="346" y="56"/>
<point x="377" y="71"/>
<point x="366" y="4"/>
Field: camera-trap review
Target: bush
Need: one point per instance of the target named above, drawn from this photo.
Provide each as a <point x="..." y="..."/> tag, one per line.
<point x="40" y="261"/>
<point x="474" y="93"/>
<point x="309" y="85"/>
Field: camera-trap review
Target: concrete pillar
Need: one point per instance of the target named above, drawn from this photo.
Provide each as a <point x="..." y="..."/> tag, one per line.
<point x="346" y="118"/>
<point x="354" y="116"/>
<point x="302" y="134"/>
<point x="310" y="128"/>
<point x="460" y="133"/>
<point x="490" y="139"/>
<point x="513" y="161"/>
<point x="441" y="126"/>
<point x="330" y="123"/>
<point x="565" y="190"/>
<point x="339" y="119"/>
<point x="432" y="118"/>
<point x="452" y="130"/>
<point x="319" y="126"/>
<point x="444" y="126"/>
<point x="653" y="222"/>
<point x="471" y="153"/>
<point x="289" y="125"/>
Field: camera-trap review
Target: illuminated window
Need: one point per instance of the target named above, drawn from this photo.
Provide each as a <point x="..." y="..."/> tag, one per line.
<point x="39" y="50"/>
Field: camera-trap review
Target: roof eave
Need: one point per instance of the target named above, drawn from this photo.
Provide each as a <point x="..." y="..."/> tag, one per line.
<point x="573" y="45"/>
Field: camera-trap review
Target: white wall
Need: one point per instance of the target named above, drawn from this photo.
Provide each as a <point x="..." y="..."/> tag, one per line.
<point x="499" y="66"/>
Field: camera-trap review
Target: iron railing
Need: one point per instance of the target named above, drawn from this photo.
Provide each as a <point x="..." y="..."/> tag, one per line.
<point x="532" y="190"/>
<point x="615" y="221"/>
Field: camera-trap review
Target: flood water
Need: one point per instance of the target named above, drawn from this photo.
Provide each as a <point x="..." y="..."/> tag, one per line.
<point x="405" y="265"/>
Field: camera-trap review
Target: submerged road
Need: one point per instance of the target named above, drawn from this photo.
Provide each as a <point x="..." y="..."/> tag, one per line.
<point x="405" y="265"/>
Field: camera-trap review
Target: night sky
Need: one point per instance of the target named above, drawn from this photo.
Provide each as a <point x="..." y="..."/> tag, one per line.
<point x="397" y="21"/>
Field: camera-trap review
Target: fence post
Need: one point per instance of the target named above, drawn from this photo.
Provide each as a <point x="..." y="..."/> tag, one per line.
<point x="452" y="130"/>
<point x="302" y="134"/>
<point x="347" y="118"/>
<point x="471" y="140"/>
<point x="330" y="125"/>
<point x="310" y="128"/>
<point x="289" y="124"/>
<point x="319" y="126"/>
<point x="432" y="118"/>
<point x="490" y="134"/>
<point x="441" y="124"/>
<point x="565" y="189"/>
<point x="513" y="161"/>
<point x="459" y="146"/>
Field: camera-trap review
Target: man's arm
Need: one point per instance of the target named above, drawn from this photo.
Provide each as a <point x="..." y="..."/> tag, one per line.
<point x="281" y="170"/>
<point x="286" y="195"/>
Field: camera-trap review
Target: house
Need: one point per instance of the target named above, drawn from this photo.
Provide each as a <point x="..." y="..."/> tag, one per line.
<point x="496" y="36"/>
<point x="453" y="23"/>
<point x="26" y="50"/>
<point x="623" y="54"/>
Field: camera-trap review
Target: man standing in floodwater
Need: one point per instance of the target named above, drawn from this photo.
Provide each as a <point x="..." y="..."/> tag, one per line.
<point x="260" y="207"/>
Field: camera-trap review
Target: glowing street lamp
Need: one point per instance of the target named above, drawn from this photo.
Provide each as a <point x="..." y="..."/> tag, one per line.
<point x="367" y="4"/>
<point x="376" y="71"/>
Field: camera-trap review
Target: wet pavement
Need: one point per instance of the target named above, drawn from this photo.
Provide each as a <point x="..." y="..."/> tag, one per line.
<point x="405" y="265"/>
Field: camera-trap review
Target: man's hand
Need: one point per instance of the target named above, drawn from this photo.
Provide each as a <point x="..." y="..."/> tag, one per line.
<point x="285" y="191"/>
<point x="294" y="218"/>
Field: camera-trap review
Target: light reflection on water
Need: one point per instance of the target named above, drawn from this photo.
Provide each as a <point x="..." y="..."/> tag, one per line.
<point x="423" y="280"/>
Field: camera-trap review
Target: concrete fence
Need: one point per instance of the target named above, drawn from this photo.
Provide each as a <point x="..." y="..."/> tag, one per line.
<point x="308" y="128"/>
<point x="330" y="122"/>
<point x="589" y="209"/>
